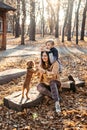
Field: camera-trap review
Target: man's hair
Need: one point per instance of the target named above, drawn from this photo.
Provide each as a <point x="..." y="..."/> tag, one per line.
<point x="51" y="42"/>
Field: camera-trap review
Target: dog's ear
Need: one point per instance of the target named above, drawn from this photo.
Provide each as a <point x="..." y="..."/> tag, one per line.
<point x="32" y="63"/>
<point x="28" y="63"/>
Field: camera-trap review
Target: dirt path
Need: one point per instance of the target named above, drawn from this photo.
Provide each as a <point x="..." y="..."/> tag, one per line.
<point x="26" y="50"/>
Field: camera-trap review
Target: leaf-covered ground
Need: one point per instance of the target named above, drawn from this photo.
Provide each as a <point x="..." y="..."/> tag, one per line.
<point x="43" y="116"/>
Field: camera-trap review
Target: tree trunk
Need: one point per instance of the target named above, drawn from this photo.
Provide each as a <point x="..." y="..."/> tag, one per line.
<point x="42" y="18"/>
<point x="73" y="28"/>
<point x="53" y="16"/>
<point x="65" y="22"/>
<point x="32" y="20"/>
<point x="57" y="22"/>
<point x="50" y="20"/>
<point x="51" y="26"/>
<point x="23" y="22"/>
<point x="69" y="20"/>
<point x="77" y="21"/>
<point x="83" y="22"/>
<point x="17" y="26"/>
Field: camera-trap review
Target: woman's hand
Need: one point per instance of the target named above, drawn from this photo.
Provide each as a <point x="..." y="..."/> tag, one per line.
<point x="49" y="74"/>
<point x="42" y="70"/>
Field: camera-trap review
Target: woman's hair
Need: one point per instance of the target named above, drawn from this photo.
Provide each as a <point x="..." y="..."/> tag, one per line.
<point x="43" y="63"/>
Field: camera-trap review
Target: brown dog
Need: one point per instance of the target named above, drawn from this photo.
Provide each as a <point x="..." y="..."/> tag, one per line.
<point x="30" y="71"/>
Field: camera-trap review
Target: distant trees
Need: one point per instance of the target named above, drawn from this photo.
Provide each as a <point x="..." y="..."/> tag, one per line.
<point x="44" y="18"/>
<point x="68" y="20"/>
<point x="51" y="17"/>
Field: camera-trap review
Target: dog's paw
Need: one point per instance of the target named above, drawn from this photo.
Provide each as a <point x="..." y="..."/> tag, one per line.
<point x="27" y="97"/>
<point x="22" y="96"/>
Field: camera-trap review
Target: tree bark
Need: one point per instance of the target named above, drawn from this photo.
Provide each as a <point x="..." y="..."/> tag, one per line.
<point x="32" y="21"/>
<point x="83" y="22"/>
<point x="51" y="24"/>
<point x="65" y="22"/>
<point x="57" y="21"/>
<point x="69" y="20"/>
<point x="23" y="22"/>
<point x="42" y="18"/>
<point x="17" y="26"/>
<point x="77" y="21"/>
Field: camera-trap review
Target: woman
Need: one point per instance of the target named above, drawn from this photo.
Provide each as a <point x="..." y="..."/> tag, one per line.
<point x="49" y="79"/>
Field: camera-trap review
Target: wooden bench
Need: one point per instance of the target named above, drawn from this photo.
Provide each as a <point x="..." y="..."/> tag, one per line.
<point x="66" y="83"/>
<point x="8" y="75"/>
<point x="79" y="83"/>
<point x="17" y="103"/>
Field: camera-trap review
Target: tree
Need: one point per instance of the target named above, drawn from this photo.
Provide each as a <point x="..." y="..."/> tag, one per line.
<point x="23" y="22"/>
<point x="32" y="20"/>
<point x="57" y="20"/>
<point x="77" y="21"/>
<point x="69" y="20"/>
<point x="65" y="22"/>
<point x="50" y="20"/>
<point x="52" y="15"/>
<point x="83" y="22"/>
<point x="55" y="15"/>
<point x="17" y="26"/>
<point x="42" y="18"/>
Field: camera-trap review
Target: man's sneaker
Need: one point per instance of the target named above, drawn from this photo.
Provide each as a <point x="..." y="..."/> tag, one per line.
<point x="57" y="106"/>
